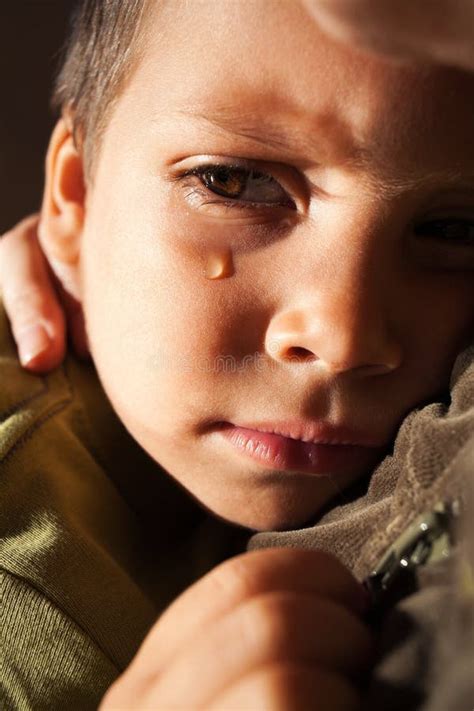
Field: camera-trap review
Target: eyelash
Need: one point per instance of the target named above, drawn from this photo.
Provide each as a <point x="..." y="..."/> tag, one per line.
<point x="201" y="170"/>
<point x="424" y="229"/>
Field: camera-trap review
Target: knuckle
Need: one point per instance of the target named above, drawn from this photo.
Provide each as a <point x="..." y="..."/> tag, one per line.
<point x="228" y="581"/>
<point x="255" y="572"/>
<point x="267" y="623"/>
<point x="279" y="684"/>
<point x="286" y="686"/>
<point x="301" y="557"/>
<point x="273" y="684"/>
<point x="242" y="576"/>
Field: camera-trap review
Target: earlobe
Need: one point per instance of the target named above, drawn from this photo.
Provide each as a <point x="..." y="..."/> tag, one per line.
<point x="63" y="208"/>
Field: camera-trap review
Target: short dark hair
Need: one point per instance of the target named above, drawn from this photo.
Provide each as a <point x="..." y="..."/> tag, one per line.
<point x="99" y="56"/>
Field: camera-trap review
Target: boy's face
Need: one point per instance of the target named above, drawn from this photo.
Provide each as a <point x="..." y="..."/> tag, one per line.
<point x="335" y="303"/>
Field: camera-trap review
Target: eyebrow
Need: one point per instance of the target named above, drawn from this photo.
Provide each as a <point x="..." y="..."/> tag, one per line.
<point x="327" y="135"/>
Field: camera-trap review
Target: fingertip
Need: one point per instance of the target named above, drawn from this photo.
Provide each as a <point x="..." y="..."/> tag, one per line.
<point x="42" y="364"/>
<point x="40" y="348"/>
<point x="32" y="342"/>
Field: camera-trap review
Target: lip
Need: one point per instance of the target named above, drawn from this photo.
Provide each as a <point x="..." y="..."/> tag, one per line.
<point x="316" y="448"/>
<point x="316" y="432"/>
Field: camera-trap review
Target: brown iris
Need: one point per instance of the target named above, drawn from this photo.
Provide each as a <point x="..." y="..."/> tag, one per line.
<point x="230" y="183"/>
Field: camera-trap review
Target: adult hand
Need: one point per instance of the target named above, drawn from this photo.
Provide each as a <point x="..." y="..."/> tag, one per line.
<point x="277" y="629"/>
<point x="439" y="31"/>
<point x="37" y="306"/>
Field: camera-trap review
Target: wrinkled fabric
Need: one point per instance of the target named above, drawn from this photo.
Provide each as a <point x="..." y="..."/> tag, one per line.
<point x="95" y="538"/>
<point x="425" y="641"/>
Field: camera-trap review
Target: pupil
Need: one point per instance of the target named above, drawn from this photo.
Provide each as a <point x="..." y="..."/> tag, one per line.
<point x="227" y="181"/>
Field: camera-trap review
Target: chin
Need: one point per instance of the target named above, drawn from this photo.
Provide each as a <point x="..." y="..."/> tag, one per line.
<point x="272" y="519"/>
<point x="275" y="523"/>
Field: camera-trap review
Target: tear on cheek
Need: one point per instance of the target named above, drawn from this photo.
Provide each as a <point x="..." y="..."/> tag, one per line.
<point x="219" y="263"/>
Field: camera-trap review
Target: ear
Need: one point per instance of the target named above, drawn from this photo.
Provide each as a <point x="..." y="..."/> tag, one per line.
<point x="63" y="209"/>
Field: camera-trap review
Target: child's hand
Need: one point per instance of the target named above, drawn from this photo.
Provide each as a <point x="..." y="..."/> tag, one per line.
<point x="441" y="31"/>
<point x="277" y="629"/>
<point x="35" y="302"/>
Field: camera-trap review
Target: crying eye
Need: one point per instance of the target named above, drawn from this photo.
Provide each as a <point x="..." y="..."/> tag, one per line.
<point x="242" y="185"/>
<point x="225" y="181"/>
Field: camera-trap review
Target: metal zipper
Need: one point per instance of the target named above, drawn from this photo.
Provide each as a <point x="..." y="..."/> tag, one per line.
<point x="428" y="539"/>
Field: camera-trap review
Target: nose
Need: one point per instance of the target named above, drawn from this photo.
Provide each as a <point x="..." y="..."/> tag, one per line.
<point x="341" y="325"/>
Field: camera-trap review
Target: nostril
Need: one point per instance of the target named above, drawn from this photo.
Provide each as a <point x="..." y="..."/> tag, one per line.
<point x="300" y="354"/>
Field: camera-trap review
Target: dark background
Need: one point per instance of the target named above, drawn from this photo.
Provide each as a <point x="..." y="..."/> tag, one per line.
<point x="32" y="35"/>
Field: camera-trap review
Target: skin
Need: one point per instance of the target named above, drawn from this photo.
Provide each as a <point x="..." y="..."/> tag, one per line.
<point x="353" y="319"/>
<point x="297" y="641"/>
<point x="377" y="326"/>
<point x="441" y="31"/>
<point x="37" y="304"/>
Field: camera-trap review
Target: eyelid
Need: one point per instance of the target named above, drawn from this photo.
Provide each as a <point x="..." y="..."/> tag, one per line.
<point x="290" y="179"/>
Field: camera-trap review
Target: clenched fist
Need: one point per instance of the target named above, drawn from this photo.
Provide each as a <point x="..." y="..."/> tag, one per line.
<point x="277" y="629"/>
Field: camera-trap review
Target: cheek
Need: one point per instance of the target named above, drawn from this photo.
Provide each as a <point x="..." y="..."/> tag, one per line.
<point x="156" y="322"/>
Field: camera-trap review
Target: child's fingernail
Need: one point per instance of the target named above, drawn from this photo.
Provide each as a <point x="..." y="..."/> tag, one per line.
<point x="33" y="341"/>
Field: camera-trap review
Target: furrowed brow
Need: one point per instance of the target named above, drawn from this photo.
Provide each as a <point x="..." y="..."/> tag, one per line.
<point x="323" y="135"/>
<point x="309" y="139"/>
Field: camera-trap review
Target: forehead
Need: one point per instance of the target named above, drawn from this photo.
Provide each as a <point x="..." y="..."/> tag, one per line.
<point x="263" y="70"/>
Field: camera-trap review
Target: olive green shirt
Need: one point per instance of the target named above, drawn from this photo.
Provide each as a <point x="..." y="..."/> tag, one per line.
<point x="95" y="538"/>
